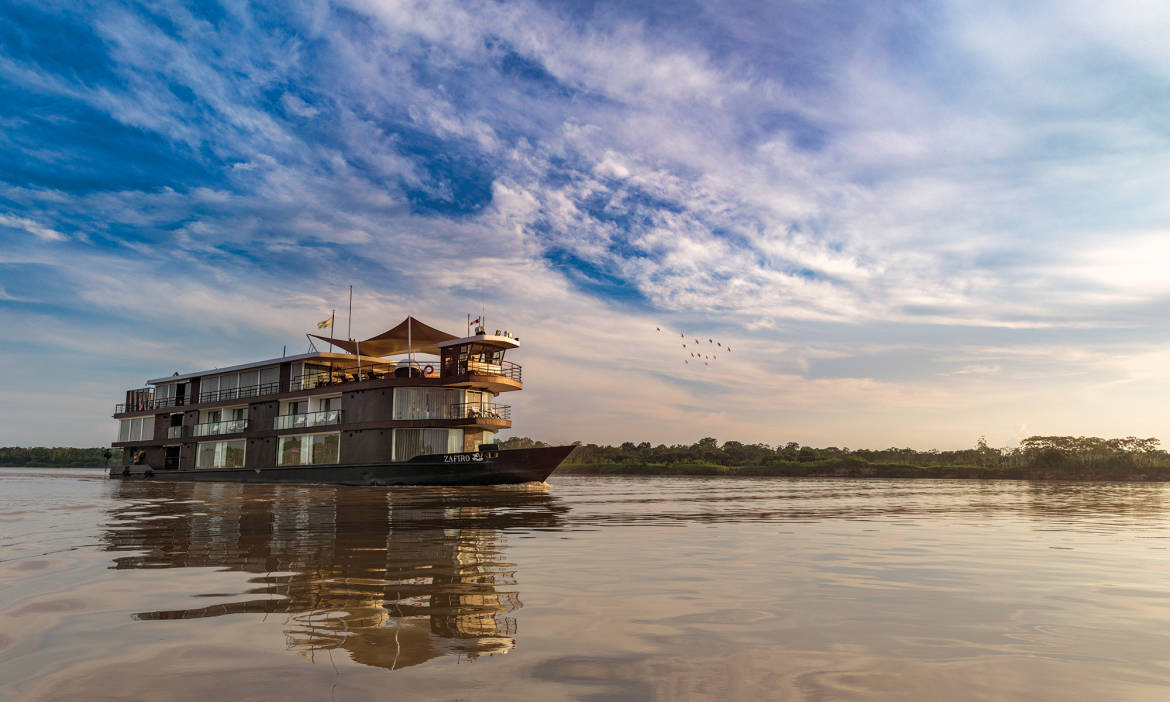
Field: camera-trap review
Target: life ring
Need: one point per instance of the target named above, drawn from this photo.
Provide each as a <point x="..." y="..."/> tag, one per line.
<point x="428" y="369"/>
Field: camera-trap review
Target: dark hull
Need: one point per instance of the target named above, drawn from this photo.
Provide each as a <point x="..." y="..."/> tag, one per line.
<point x="479" y="468"/>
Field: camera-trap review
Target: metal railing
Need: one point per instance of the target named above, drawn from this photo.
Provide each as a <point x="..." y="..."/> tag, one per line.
<point x="506" y="369"/>
<point x="175" y="432"/>
<point x="481" y="410"/>
<point x="309" y="419"/>
<point x="368" y="371"/>
<point x="240" y="393"/>
<point x="149" y="404"/>
<point x="228" y="426"/>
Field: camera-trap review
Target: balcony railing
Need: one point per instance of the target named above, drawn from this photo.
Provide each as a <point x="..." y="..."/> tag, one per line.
<point x="238" y="393"/>
<point x="175" y="432"/>
<point x="505" y="369"/>
<point x="230" y="426"/>
<point x="368" y="371"/>
<point x="151" y="403"/>
<point x="309" y="419"/>
<point x="481" y="410"/>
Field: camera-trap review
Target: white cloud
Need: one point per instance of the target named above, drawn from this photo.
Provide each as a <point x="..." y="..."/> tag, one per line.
<point x="28" y="225"/>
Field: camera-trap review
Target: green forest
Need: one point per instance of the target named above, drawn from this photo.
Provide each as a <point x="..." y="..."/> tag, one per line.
<point x="57" y="457"/>
<point x="1037" y="457"/>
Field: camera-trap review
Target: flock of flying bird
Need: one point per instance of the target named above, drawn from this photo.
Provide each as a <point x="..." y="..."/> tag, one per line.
<point x="696" y="355"/>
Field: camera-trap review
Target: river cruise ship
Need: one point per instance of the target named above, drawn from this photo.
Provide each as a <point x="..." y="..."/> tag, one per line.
<point x="411" y="406"/>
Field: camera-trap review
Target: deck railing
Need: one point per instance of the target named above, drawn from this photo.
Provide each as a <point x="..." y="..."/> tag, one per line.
<point x="336" y="376"/>
<point x="309" y="419"/>
<point x="505" y="369"/>
<point x="175" y="432"/>
<point x="227" y="426"/>
<point x="368" y="371"/>
<point x="240" y="393"/>
<point x="480" y="410"/>
<point x="147" y="404"/>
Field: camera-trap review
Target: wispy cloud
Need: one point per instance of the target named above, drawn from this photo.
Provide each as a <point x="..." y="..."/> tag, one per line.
<point x="889" y="206"/>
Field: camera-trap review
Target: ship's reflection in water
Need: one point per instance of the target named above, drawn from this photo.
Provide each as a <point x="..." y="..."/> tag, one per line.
<point x="393" y="577"/>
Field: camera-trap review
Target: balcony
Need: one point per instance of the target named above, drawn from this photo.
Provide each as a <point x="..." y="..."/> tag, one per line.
<point x="303" y="421"/>
<point x="230" y="426"/>
<point x="175" y="432"/>
<point x="482" y="412"/>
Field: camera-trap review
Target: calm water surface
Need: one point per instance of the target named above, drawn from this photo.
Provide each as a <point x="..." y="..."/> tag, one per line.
<point x="615" y="588"/>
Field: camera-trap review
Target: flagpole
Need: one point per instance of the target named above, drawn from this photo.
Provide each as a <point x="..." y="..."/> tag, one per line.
<point x="409" y="345"/>
<point x="349" y="317"/>
<point x="332" y="317"/>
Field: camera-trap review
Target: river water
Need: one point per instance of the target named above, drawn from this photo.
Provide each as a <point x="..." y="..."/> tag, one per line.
<point x="591" y="588"/>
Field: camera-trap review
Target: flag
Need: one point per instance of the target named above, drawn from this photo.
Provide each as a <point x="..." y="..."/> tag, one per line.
<point x="475" y="321"/>
<point x="326" y="323"/>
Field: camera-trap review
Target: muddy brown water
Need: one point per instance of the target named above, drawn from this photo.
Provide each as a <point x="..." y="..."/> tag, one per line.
<point x="591" y="588"/>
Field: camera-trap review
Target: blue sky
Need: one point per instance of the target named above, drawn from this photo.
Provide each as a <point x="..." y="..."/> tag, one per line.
<point x="916" y="223"/>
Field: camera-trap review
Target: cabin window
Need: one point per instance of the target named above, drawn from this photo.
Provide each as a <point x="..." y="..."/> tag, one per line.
<point x="310" y="449"/>
<point x="425" y="403"/>
<point x="139" y="429"/>
<point x="248" y="382"/>
<point x="164" y="395"/>
<point x="290" y="450"/>
<point x="221" y="454"/>
<point x="269" y="376"/>
<point x="409" y="443"/>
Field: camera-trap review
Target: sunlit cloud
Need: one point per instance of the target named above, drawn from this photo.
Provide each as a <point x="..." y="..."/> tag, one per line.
<point x="911" y="220"/>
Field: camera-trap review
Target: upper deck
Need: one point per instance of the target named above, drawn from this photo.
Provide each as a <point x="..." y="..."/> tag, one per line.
<point x="471" y="362"/>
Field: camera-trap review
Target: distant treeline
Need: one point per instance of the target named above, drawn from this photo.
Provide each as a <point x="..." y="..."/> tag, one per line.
<point x="1037" y="457"/>
<point x="57" y="457"/>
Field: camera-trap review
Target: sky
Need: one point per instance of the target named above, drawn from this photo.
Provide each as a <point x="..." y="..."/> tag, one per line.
<point x="916" y="223"/>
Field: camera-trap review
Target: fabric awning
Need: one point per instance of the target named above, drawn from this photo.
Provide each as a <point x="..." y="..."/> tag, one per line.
<point x="423" y="338"/>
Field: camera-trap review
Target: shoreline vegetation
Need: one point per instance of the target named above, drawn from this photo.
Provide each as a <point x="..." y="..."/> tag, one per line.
<point x="1036" y="458"/>
<point x="57" y="457"/>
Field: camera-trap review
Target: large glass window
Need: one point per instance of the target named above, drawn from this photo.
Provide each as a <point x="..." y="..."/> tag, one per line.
<point x="424" y="403"/>
<point x="233" y="453"/>
<point x="139" y="429"/>
<point x="248" y="382"/>
<point x="165" y="393"/>
<point x="270" y="375"/>
<point x="205" y="457"/>
<point x="309" y="448"/>
<point x="325" y="448"/>
<point x="409" y="443"/>
<point x="221" y="454"/>
<point x="290" y="450"/>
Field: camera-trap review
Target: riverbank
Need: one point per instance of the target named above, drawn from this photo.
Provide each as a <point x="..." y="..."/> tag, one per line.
<point x="854" y="469"/>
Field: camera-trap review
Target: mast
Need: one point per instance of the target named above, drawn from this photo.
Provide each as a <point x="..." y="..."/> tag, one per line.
<point x="332" y="318"/>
